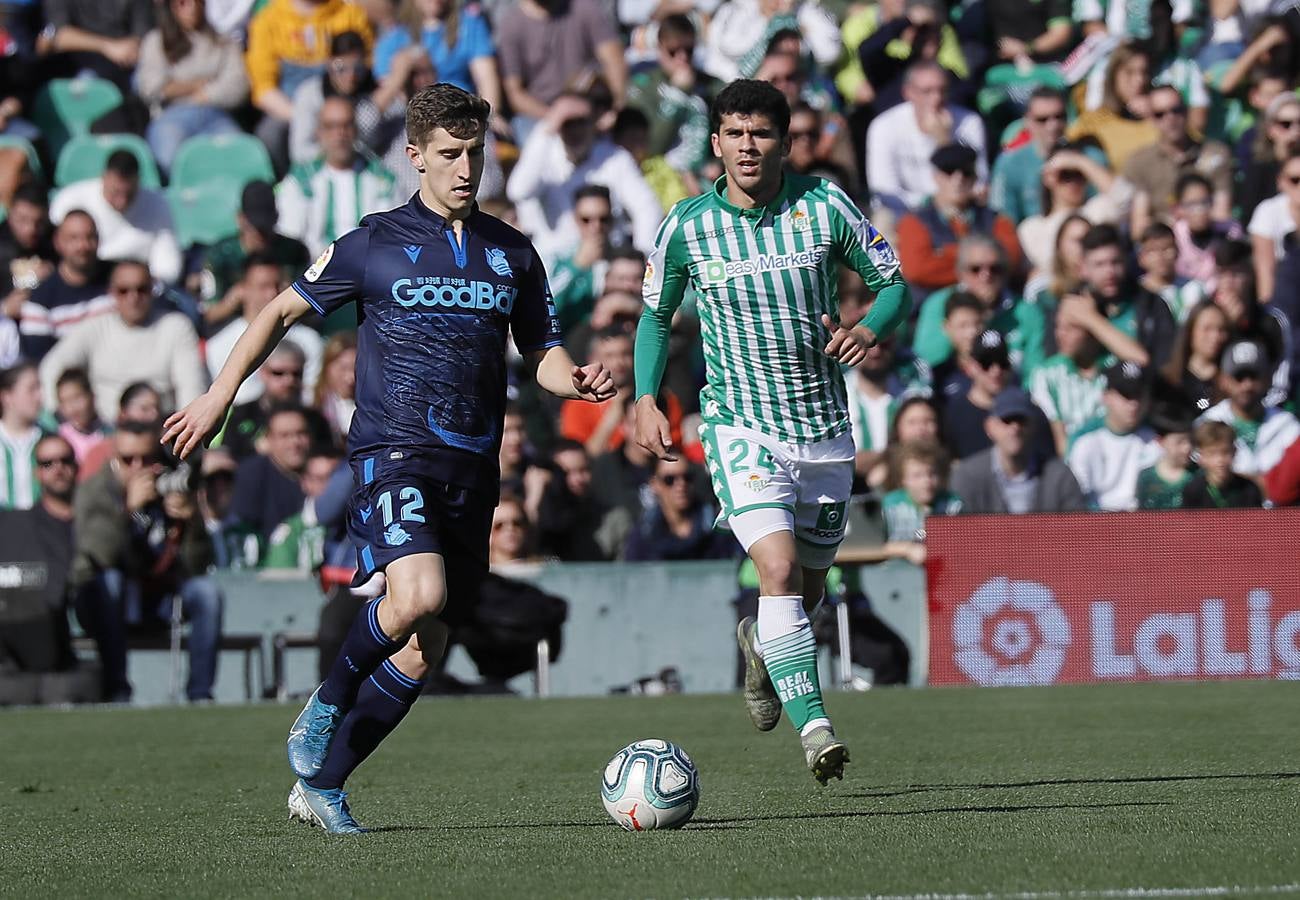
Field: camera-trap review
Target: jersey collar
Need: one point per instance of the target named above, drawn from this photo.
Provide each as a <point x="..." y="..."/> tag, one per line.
<point x="435" y="221"/>
<point x="773" y="206"/>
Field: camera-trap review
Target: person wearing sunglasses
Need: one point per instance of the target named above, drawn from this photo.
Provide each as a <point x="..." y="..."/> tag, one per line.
<point x="676" y="524"/>
<point x="989" y="371"/>
<point x="1016" y="188"/>
<point x="346" y="75"/>
<point x="140" y="542"/>
<point x="1068" y="177"/>
<point x="39" y="640"/>
<point x="928" y="237"/>
<point x="1197" y="232"/>
<point x="1274" y="224"/>
<point x="982" y="273"/>
<point x="282" y="377"/>
<point x="1155" y="169"/>
<point x="134" y="342"/>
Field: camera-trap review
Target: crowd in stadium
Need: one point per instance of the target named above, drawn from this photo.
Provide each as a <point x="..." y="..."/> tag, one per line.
<point x="1094" y="202"/>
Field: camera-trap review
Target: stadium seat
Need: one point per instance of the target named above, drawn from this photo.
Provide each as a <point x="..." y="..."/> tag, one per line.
<point x="67" y="107"/>
<point x="238" y="158"/>
<point x="204" y="213"/>
<point x="85" y="155"/>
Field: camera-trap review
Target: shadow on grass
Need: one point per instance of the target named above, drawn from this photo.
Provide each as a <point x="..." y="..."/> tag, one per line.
<point x="694" y="825"/>
<point x="943" y="810"/>
<point x="1065" y="782"/>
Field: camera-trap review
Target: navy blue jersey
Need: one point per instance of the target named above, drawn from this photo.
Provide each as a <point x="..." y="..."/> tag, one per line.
<point x="433" y="320"/>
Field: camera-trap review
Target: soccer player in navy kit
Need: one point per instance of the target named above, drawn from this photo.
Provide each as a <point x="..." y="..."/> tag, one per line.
<point x="438" y="284"/>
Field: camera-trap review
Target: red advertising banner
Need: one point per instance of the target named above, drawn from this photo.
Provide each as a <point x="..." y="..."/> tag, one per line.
<point x="1114" y="597"/>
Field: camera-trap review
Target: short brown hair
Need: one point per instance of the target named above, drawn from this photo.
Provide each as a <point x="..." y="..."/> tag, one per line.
<point x="446" y="106"/>
<point x="1215" y="434"/>
<point x="927" y="453"/>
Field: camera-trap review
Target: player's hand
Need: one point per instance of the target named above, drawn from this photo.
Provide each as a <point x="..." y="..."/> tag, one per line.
<point x="848" y="345"/>
<point x="196" y="424"/>
<point x="652" y="432"/>
<point x="593" y="383"/>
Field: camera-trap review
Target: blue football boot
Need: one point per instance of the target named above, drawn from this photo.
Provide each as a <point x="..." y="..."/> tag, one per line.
<point x="309" y="738"/>
<point x="327" y="809"/>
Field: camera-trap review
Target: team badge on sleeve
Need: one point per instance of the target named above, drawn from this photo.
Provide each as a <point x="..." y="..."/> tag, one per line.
<point x="318" y="267"/>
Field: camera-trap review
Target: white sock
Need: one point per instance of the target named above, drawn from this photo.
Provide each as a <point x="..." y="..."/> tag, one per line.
<point x="779" y="616"/>
<point x="819" y="722"/>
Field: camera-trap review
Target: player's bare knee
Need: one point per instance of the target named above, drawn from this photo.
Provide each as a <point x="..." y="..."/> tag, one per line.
<point x="410" y="660"/>
<point x="779" y="575"/>
<point x="415" y="597"/>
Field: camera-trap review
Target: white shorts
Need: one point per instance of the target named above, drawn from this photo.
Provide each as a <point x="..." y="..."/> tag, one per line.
<point x="765" y="485"/>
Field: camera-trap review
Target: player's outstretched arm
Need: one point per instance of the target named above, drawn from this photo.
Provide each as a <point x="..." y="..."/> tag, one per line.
<point x="186" y="429"/>
<point x="559" y="374"/>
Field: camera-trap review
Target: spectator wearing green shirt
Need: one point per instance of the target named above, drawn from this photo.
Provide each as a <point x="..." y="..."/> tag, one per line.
<point x="675" y="97"/>
<point x="1016" y="189"/>
<point x="1161" y="486"/>
<point x="982" y="272"/>
<point x="299" y="541"/>
<point x="923" y="473"/>
<point x="1067" y="387"/>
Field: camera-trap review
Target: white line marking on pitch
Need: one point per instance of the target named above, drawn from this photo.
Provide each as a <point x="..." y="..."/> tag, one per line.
<point x="1223" y="891"/>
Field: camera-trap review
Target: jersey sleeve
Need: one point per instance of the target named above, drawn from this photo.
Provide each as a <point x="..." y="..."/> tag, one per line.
<point x="338" y="275"/>
<point x="662" y="290"/>
<point x="534" y="322"/>
<point x="866" y="251"/>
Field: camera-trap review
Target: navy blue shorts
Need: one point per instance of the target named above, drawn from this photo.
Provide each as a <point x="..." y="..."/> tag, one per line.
<point x="399" y="509"/>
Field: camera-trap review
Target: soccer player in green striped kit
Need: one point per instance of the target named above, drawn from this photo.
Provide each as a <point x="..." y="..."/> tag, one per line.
<point x="761" y="250"/>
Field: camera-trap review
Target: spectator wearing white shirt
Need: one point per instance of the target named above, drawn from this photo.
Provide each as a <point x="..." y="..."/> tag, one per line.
<point x="133" y="222"/>
<point x="8" y="342"/>
<point x="133" y="343"/>
<point x="740" y="30"/>
<point x="561" y="155"/>
<point x="1107" y="459"/>
<point x="1264" y="434"/>
<point x="325" y="199"/>
<point x="1274" y="222"/>
<point x="901" y="140"/>
<point x="263" y="279"/>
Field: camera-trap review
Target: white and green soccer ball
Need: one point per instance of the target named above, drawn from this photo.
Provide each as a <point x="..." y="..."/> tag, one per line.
<point x="650" y="784"/>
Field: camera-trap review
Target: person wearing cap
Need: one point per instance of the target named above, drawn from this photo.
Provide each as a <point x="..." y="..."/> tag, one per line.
<point x="256" y="232"/>
<point x="1107" y="458"/>
<point x="901" y="140"/>
<point x="990" y="373"/>
<point x="1161" y="485"/>
<point x="928" y="237"/>
<point x="1263" y="433"/>
<point x="1010" y="477"/>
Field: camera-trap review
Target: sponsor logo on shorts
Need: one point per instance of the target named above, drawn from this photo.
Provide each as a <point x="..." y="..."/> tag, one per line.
<point x="396" y="535"/>
<point x="831" y="517"/>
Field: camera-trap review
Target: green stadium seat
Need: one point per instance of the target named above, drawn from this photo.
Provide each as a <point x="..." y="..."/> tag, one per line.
<point x="67" y="107"/>
<point x="85" y="156"/>
<point x="238" y="158"/>
<point x="205" y="213"/>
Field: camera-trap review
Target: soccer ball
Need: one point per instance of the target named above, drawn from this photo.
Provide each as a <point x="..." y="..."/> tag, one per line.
<point x="650" y="784"/>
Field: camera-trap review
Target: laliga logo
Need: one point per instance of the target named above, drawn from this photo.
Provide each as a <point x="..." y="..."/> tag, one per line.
<point x="1010" y="632"/>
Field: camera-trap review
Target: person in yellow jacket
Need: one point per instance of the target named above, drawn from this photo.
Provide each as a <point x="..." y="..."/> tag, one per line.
<point x="288" y="42"/>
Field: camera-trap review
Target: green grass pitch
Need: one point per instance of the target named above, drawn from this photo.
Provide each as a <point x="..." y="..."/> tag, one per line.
<point x="1043" y="792"/>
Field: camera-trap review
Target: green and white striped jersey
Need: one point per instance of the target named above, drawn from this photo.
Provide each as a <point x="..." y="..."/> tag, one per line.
<point x="1065" y="394"/>
<point x="19" y="488"/>
<point x="763" y="278"/>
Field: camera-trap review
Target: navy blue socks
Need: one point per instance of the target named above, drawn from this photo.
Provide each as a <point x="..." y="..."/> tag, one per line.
<point x="382" y="702"/>
<point x="365" y="647"/>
